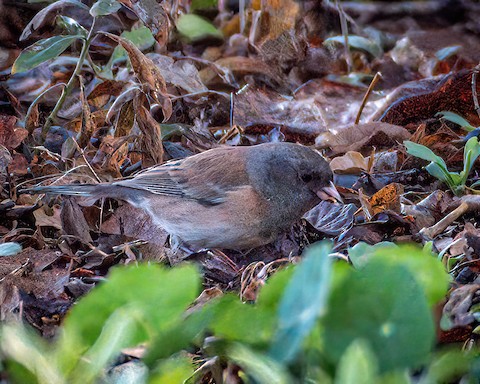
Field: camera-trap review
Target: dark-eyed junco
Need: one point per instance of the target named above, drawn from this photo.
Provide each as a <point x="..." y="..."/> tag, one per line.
<point x="227" y="197"/>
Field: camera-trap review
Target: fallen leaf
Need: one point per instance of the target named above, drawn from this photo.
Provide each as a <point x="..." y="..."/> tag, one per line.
<point x="350" y="163"/>
<point x="147" y="74"/>
<point x="331" y="219"/>
<point x="362" y="137"/>
<point x="11" y="137"/>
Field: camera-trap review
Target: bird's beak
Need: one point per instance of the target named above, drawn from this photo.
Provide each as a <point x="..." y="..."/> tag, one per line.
<point x="330" y="193"/>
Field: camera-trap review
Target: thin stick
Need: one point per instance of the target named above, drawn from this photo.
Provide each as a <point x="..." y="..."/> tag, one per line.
<point x="431" y="232"/>
<point x="344" y="27"/>
<point x="374" y="82"/>
<point x="474" y="89"/>
<point x="86" y="161"/>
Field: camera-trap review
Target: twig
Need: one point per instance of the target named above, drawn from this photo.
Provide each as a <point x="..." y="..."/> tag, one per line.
<point x="475" y="72"/>
<point x="86" y="161"/>
<point x="224" y="94"/>
<point x="16" y="270"/>
<point x="344" y="27"/>
<point x="374" y="82"/>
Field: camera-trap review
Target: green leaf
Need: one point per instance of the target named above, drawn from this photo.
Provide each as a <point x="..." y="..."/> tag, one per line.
<point x="236" y="321"/>
<point x="142" y="38"/>
<point x="425" y="267"/>
<point x="470" y="155"/>
<point x="148" y="292"/>
<point x="29" y="350"/>
<point x="105" y="7"/>
<point x="396" y="377"/>
<point x="174" y="370"/>
<point x="447" y="368"/>
<point x="259" y="367"/>
<point x="424" y="153"/>
<point x="116" y="334"/>
<point x="42" y="51"/>
<point x="457" y="119"/>
<point x="181" y="335"/>
<point x="358" y="365"/>
<point x="361" y="252"/>
<point x="203" y="4"/>
<point x="437" y="168"/>
<point x="194" y="27"/>
<point x="358" y="42"/>
<point x="452" y="179"/>
<point x="384" y="304"/>
<point x="303" y="301"/>
<point x="71" y="26"/>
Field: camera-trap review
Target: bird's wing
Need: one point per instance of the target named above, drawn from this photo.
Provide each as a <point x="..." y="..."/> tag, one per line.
<point x="206" y="177"/>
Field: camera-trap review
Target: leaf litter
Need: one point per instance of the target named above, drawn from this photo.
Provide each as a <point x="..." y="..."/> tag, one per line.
<point x="270" y="76"/>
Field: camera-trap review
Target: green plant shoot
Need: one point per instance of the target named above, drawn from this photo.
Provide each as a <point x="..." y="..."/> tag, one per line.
<point x="438" y="168"/>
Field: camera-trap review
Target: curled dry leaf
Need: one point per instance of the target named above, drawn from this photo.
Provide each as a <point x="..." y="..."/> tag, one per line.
<point x="331" y="219"/>
<point x="362" y="137"/>
<point x="241" y="66"/>
<point x="152" y="134"/>
<point x="256" y="106"/>
<point x="147" y="74"/>
<point x="134" y="223"/>
<point x="73" y="221"/>
<point x="465" y="242"/>
<point x="11" y="137"/>
<point x="5" y="159"/>
<point x="353" y="163"/>
<point x="48" y="14"/>
<point x="429" y="210"/>
<point x="110" y="155"/>
<point x="182" y="73"/>
<point x="206" y="295"/>
<point x="154" y="15"/>
<point x="43" y="219"/>
<point x="456" y="312"/>
<point x="18" y="165"/>
<point x="350" y="163"/>
<point x="102" y="93"/>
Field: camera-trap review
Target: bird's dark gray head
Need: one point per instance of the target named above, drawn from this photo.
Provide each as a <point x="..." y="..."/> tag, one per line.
<point x="287" y="172"/>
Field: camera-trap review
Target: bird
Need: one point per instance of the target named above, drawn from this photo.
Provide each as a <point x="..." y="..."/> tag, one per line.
<point x="228" y="197"/>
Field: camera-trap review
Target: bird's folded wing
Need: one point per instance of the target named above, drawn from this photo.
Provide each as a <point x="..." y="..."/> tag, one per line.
<point x="206" y="177"/>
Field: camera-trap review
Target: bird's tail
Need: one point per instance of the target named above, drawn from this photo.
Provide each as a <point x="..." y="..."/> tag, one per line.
<point x="81" y="190"/>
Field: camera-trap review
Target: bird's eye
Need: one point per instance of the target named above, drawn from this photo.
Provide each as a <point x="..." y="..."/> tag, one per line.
<point x="306" y="178"/>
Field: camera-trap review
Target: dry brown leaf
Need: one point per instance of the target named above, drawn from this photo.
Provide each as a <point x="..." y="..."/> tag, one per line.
<point x="350" y="163"/>
<point x="387" y="198"/>
<point x="73" y="222"/>
<point x="147" y="74"/>
<point x="102" y="93"/>
<point x="181" y="73"/>
<point x="331" y="219"/>
<point x="134" y="223"/>
<point x="241" y="66"/>
<point x="18" y="165"/>
<point x="10" y="136"/>
<point x="361" y="137"/>
<point x="42" y="219"/>
<point x="256" y="106"/>
<point x="154" y="15"/>
<point x="151" y="134"/>
<point x="112" y="152"/>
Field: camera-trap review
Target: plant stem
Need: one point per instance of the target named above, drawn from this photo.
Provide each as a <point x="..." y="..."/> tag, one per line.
<point x="68" y="88"/>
